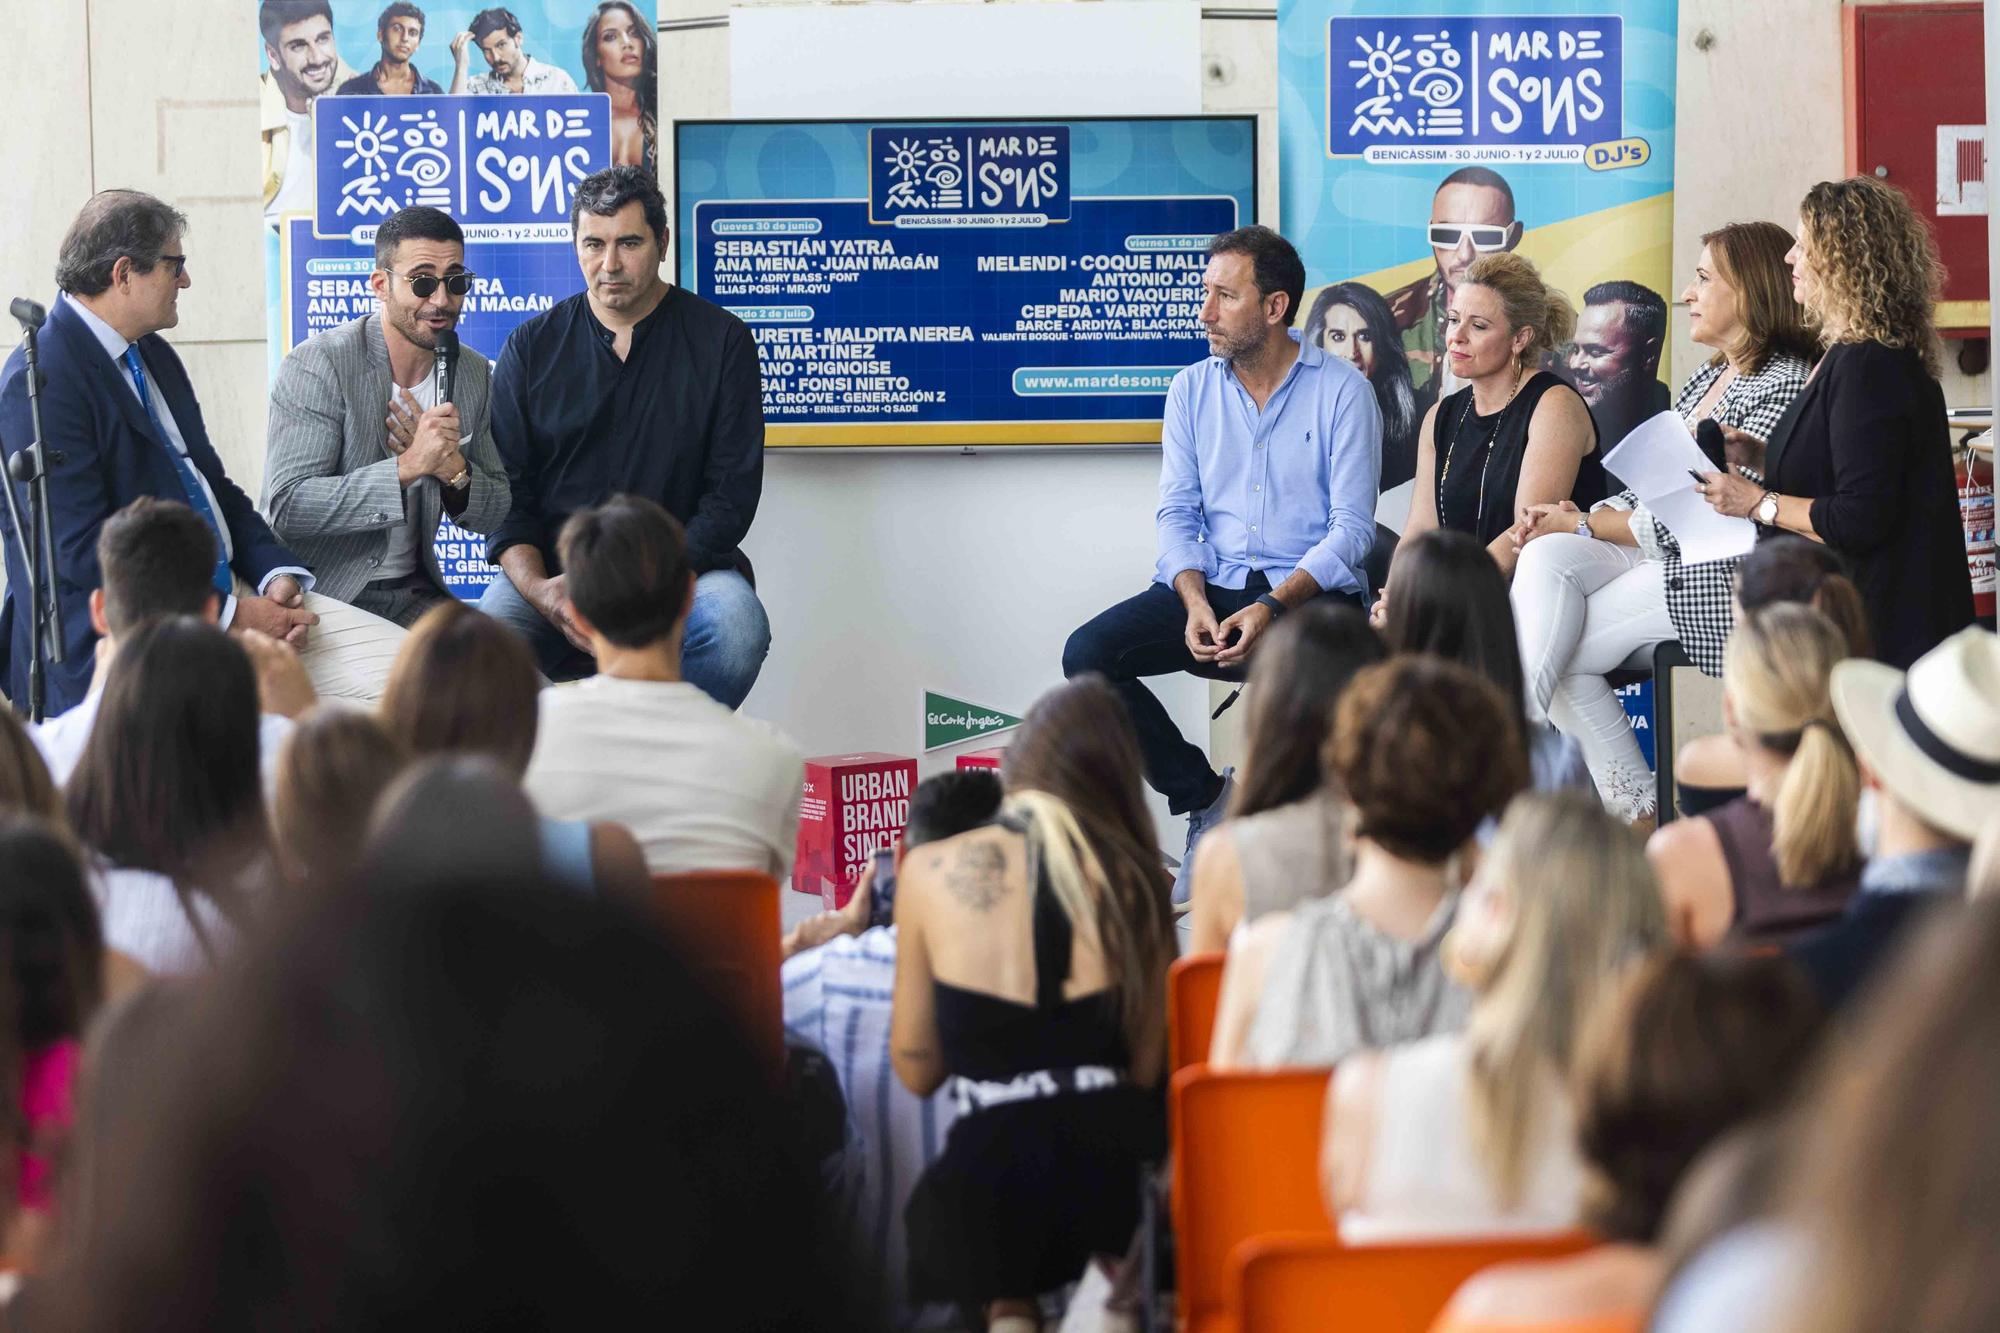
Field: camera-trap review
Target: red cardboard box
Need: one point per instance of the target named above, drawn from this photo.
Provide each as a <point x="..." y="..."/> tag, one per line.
<point x="854" y="805"/>
<point x="988" y="758"/>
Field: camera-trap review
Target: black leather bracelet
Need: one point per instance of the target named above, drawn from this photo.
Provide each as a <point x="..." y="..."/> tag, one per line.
<point x="1271" y="603"/>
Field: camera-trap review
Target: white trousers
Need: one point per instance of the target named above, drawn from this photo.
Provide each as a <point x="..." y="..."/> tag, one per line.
<point x="1581" y="607"/>
<point x="348" y="654"/>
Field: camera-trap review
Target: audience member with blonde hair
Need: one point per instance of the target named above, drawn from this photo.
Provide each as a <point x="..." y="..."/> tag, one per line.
<point x="1594" y="587"/>
<point x="463" y="683"/>
<point x="1422" y="753"/>
<point x="1710" y="770"/>
<point x="1474" y="1133"/>
<point x="1863" y="461"/>
<point x="1286" y="839"/>
<point x="1514" y="436"/>
<point x="1031" y="967"/>
<point x="1685" y="1050"/>
<point x="1928" y="741"/>
<point x="331" y="769"/>
<point x="1782" y="857"/>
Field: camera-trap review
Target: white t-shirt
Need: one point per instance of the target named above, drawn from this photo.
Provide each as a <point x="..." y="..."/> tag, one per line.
<point x="700" y="787"/>
<point x="146" y="920"/>
<point x="1426" y="1178"/>
<point x="401" y="556"/>
<point x="63" y="738"/>
<point x="295" y="191"/>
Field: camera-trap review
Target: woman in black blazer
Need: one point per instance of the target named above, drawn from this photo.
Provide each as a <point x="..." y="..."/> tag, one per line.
<point x="1862" y="459"/>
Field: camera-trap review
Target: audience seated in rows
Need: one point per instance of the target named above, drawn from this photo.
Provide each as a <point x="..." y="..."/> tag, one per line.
<point x="1450" y="599"/>
<point x="699" y="786"/>
<point x="1929" y="746"/>
<point x="1686" y="1050"/>
<point x="1473" y="1133"/>
<point x="1423" y="753"/>
<point x="1783" y="857"/>
<point x="1884" y="1177"/>
<point x="167" y="798"/>
<point x="53" y="982"/>
<point x="1710" y="770"/>
<point x="838" y="975"/>
<point x="440" y="1099"/>
<point x="1031" y="968"/>
<point x="464" y="683"/>
<point x="1286" y="839"/>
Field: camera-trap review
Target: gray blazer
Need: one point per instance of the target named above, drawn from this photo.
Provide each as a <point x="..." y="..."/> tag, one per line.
<point x="330" y="486"/>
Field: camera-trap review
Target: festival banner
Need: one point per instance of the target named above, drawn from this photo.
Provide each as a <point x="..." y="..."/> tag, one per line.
<point x="491" y="114"/>
<point x="962" y="282"/>
<point x="1416" y="135"/>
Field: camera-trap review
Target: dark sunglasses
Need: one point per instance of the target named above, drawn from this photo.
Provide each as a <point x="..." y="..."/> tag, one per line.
<point x="180" y="263"/>
<point x="423" y="284"/>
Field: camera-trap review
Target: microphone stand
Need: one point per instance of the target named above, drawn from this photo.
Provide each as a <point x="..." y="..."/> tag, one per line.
<point x="38" y="552"/>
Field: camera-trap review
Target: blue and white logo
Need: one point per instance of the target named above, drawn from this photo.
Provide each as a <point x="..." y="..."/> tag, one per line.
<point x="1519" y="89"/>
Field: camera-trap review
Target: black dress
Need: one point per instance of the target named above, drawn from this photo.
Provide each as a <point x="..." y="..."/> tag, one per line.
<point x="1479" y="460"/>
<point x="1868" y="443"/>
<point x="1026" y="1191"/>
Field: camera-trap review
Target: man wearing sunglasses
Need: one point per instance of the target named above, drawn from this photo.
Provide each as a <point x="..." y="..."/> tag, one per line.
<point x="362" y="456"/>
<point x="1472" y="214"/>
<point x="121" y="415"/>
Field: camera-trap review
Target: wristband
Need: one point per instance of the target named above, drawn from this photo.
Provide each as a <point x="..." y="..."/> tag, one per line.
<point x="1272" y="604"/>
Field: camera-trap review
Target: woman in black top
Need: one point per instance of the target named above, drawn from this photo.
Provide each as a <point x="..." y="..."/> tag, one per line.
<point x="1862" y="459"/>
<point x="1514" y="436"/>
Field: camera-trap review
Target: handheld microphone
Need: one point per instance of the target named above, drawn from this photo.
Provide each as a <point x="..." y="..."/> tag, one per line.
<point x="28" y="312"/>
<point x="1708" y="436"/>
<point x="446" y="349"/>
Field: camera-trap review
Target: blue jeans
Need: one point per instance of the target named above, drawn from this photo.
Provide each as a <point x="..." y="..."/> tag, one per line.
<point x="728" y="635"/>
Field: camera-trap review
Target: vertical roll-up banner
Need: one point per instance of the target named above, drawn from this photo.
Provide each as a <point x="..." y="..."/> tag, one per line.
<point x="1416" y="135"/>
<point x="491" y="113"/>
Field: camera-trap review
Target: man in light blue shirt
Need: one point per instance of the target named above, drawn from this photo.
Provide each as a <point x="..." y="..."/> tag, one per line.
<point x="1271" y="451"/>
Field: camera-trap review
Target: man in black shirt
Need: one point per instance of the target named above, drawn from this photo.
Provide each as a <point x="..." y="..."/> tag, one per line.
<point x="633" y="387"/>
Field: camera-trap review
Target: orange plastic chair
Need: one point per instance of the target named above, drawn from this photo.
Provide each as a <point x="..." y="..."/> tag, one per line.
<point x="727" y="921"/>
<point x="1311" y="1283"/>
<point x="1246" y="1162"/>
<point x="1194" y="986"/>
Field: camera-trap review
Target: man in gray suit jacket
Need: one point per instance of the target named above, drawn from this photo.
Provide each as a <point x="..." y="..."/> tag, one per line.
<point x="361" y="457"/>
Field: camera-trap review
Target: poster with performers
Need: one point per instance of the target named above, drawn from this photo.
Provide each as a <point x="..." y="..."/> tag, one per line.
<point x="1416" y="137"/>
<point x="490" y="113"/>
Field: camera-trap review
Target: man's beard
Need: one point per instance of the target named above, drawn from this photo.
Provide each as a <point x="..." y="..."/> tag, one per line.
<point x="1234" y="349"/>
<point x="421" y="334"/>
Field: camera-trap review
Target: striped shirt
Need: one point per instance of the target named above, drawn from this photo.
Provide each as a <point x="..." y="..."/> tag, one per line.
<point x="837" y="1000"/>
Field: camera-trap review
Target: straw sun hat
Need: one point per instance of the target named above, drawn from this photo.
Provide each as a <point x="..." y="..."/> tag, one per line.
<point x="1931" y="735"/>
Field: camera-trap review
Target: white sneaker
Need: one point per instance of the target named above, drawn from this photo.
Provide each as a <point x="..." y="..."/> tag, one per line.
<point x="1199" y="822"/>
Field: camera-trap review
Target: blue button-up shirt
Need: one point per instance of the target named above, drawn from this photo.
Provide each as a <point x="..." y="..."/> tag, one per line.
<point x="1291" y="487"/>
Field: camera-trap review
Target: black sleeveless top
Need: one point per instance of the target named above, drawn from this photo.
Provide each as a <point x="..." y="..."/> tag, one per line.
<point x="984" y="1036"/>
<point x="1479" y="460"/>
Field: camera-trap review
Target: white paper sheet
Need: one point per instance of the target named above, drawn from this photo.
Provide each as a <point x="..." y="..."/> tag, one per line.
<point x="1653" y="462"/>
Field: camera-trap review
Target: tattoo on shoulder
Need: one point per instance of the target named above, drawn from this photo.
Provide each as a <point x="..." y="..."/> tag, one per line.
<point x="977" y="875"/>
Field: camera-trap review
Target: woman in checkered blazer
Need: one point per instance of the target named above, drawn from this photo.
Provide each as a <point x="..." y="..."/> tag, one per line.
<point x="1592" y="589"/>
